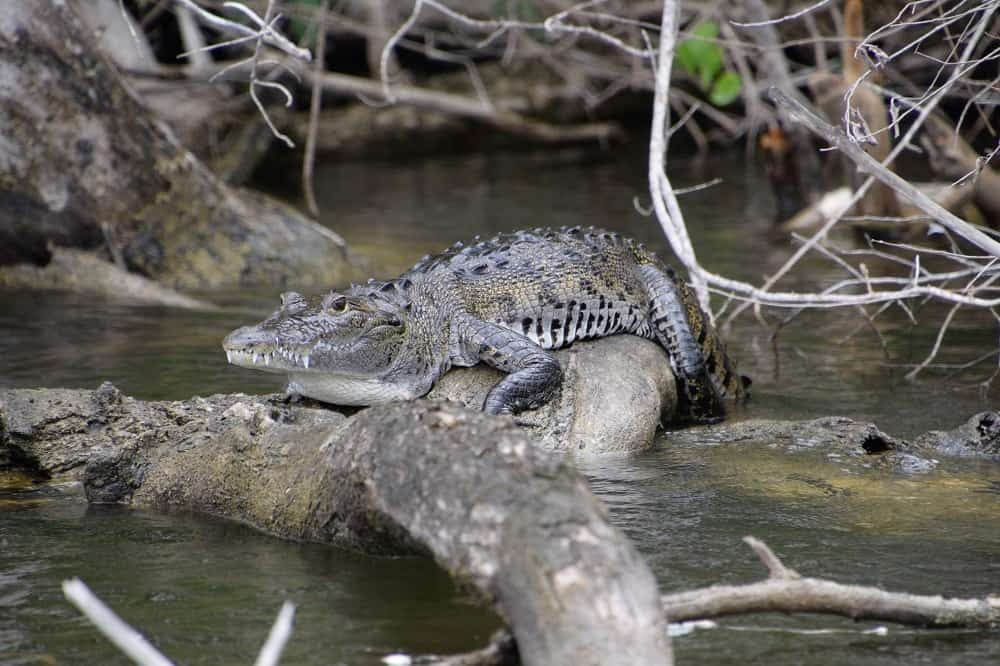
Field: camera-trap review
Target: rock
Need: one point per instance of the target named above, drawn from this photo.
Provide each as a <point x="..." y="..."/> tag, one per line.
<point x="614" y="394"/>
<point x="979" y="436"/>
<point x="106" y="174"/>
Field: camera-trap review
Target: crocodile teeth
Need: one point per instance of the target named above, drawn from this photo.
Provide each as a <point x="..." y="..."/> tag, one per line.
<point x="267" y="359"/>
<point x="229" y="356"/>
<point x="255" y="357"/>
<point x="305" y="360"/>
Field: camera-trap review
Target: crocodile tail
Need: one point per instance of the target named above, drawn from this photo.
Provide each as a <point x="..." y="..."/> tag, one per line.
<point x="698" y="401"/>
<point x="705" y="372"/>
<point x="680" y="327"/>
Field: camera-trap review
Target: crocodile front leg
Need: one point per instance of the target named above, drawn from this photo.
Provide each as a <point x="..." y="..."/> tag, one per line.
<point x="534" y="373"/>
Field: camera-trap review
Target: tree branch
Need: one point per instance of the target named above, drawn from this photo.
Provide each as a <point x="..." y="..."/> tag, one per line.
<point x="783" y="592"/>
<point x="799" y="113"/>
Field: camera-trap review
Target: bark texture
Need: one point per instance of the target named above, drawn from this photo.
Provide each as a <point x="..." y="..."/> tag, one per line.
<point x="615" y="393"/>
<point x="473" y="491"/>
<point x="82" y="164"/>
<point x="785" y="591"/>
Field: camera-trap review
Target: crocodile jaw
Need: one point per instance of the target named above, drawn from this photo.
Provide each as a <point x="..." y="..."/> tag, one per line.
<point x="280" y="361"/>
<point x="352" y="391"/>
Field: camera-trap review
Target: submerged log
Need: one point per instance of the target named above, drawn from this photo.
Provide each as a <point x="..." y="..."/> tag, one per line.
<point x="473" y="491"/>
<point x="86" y="166"/>
<point x="84" y="272"/>
<point x="859" y="444"/>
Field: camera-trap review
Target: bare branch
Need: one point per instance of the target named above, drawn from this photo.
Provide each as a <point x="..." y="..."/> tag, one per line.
<point x="127" y="639"/>
<point x="281" y="631"/>
<point x="770" y="560"/>
<point x="782" y="19"/>
<point x="788" y="594"/>
<point x="798" y="112"/>
<point x="315" y="104"/>
<point x="267" y="33"/>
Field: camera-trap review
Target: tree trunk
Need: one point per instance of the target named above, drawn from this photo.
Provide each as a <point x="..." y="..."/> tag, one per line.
<point x="473" y="491"/>
<point x="83" y="164"/>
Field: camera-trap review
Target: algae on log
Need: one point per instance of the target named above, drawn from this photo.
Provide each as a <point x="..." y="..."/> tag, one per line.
<point x="82" y="163"/>
<point x="857" y="444"/>
<point x="473" y="491"/>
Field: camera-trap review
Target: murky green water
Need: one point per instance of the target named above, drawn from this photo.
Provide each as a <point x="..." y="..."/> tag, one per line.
<point x="206" y="591"/>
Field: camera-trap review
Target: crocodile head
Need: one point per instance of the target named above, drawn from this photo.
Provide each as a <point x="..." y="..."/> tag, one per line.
<point x="337" y="348"/>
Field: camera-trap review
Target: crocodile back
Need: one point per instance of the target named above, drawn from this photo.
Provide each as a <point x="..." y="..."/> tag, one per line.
<point x="556" y="286"/>
<point x="553" y="286"/>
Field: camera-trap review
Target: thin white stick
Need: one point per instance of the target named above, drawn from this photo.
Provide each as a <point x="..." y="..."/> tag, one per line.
<point x="269" y="35"/>
<point x="127" y="639"/>
<point x="270" y="653"/>
<point x="254" y="81"/>
<point x="782" y="19"/>
<point x="668" y="211"/>
<point x="866" y="162"/>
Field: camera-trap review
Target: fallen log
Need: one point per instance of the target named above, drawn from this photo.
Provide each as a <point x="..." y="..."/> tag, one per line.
<point x="495" y="510"/>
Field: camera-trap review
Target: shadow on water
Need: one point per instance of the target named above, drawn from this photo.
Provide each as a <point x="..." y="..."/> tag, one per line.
<point x="206" y="591"/>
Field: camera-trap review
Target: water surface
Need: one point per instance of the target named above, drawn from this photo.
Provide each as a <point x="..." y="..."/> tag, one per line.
<point x="206" y="591"/>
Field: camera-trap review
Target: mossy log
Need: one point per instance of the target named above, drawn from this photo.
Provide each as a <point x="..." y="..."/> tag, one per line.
<point x="85" y="165"/>
<point x="494" y="509"/>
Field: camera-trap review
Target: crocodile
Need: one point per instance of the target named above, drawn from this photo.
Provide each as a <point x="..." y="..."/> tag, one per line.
<point x="505" y="302"/>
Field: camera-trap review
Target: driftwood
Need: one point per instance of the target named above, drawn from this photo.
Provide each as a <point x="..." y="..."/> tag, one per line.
<point x="83" y="272"/>
<point x="474" y="492"/>
<point x="950" y="198"/>
<point x="785" y="591"/>
<point x="85" y="166"/>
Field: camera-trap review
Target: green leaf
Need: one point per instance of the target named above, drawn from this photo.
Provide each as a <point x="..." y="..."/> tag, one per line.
<point x="706" y="30"/>
<point x="297" y="28"/>
<point x="726" y="89"/>
<point x="686" y="55"/>
<point x="710" y="65"/>
<point x="699" y="56"/>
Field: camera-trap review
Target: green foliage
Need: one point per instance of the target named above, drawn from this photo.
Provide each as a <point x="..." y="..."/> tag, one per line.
<point x="521" y="10"/>
<point x="296" y="27"/>
<point x="726" y="89"/>
<point x="702" y="58"/>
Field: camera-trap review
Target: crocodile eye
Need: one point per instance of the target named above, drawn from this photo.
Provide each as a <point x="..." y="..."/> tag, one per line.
<point x="338" y="304"/>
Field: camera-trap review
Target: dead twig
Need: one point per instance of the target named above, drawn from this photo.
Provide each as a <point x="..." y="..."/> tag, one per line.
<point x="785" y="591"/>
<point x="799" y="113"/>
<point x="315" y="105"/>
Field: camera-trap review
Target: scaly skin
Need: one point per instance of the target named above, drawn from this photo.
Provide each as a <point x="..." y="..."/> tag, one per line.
<point x="505" y="302"/>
